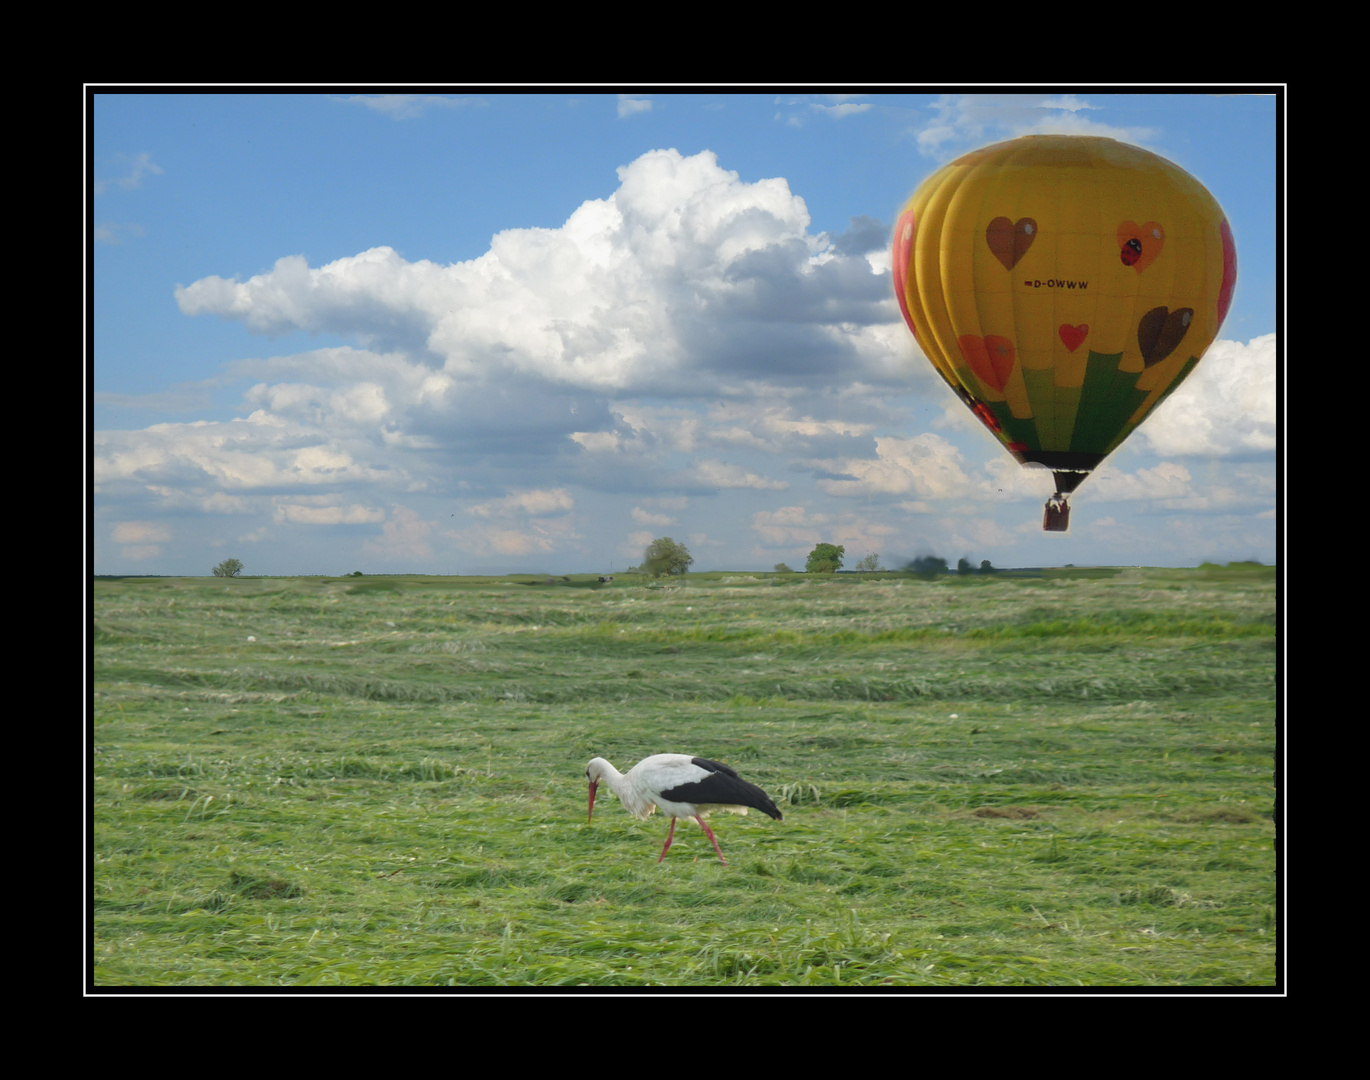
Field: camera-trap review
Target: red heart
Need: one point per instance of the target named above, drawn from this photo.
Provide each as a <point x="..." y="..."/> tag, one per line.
<point x="1073" y="335"/>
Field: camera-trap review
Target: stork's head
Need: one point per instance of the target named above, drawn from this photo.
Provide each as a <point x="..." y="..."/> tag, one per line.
<point x="593" y="772"/>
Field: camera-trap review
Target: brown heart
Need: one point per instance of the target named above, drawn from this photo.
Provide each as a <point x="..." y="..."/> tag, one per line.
<point x="1009" y="240"/>
<point x="1160" y="330"/>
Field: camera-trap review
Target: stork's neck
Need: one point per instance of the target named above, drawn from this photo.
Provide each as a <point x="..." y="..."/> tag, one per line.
<point x="603" y="770"/>
<point x="632" y="799"/>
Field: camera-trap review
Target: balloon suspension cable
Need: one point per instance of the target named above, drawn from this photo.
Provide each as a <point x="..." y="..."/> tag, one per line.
<point x="1056" y="517"/>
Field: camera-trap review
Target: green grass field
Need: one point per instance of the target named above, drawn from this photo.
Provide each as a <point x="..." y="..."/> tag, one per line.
<point x="1056" y="780"/>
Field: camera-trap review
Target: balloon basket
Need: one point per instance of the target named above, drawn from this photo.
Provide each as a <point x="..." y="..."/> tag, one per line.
<point x="1056" y="517"/>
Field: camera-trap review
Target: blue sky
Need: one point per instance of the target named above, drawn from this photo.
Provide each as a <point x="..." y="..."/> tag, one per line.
<point x="486" y="333"/>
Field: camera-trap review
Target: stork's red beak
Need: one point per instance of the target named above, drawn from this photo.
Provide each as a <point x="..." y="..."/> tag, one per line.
<point x="593" y="784"/>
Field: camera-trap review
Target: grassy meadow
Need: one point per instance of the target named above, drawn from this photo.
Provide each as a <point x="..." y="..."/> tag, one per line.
<point x="997" y="781"/>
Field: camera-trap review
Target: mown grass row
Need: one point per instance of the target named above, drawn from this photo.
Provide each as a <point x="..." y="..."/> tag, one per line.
<point x="697" y="677"/>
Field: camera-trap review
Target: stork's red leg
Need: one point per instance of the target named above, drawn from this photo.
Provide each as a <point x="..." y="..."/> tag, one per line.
<point x="669" y="837"/>
<point x="710" y="834"/>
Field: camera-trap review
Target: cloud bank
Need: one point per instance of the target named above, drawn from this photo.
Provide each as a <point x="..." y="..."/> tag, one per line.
<point x="684" y="270"/>
<point x="686" y="336"/>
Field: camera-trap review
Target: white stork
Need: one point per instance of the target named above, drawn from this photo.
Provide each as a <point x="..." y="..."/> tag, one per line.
<point x="682" y="786"/>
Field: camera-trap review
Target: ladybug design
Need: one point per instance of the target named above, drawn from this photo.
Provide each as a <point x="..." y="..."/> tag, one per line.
<point x="1131" y="252"/>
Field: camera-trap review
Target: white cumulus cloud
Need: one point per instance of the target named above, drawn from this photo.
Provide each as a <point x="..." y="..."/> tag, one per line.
<point x="1226" y="408"/>
<point x="646" y="517"/>
<point x="628" y="105"/>
<point x="715" y="473"/>
<point x="141" y="532"/>
<point x="924" y="465"/>
<point x="686" y="267"/>
<point x="536" y="503"/>
<point x="790" y="526"/>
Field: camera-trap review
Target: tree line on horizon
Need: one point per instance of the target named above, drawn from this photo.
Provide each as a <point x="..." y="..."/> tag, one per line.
<point x="667" y="557"/>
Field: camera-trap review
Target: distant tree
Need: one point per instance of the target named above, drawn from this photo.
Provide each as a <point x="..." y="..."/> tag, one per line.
<point x="963" y="566"/>
<point x="781" y="568"/>
<point x="928" y="566"/>
<point x="985" y="568"/>
<point x="825" y="559"/>
<point x="665" y="556"/>
<point x="870" y="563"/>
<point x="355" y="573"/>
<point x="228" y="568"/>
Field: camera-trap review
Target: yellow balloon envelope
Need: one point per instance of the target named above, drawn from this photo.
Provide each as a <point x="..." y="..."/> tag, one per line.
<point x="1063" y="285"/>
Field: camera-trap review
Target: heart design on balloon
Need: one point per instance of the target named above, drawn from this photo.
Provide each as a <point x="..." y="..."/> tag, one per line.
<point x="991" y="358"/>
<point x="1072" y="336"/>
<point x="1138" y="245"/>
<point x="1160" y="330"/>
<point x="1009" y="240"/>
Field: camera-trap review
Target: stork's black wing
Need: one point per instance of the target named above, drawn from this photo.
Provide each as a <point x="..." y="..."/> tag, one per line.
<point x="723" y="787"/>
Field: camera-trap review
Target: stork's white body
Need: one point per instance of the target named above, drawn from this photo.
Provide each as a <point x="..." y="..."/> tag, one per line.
<point x="682" y="786"/>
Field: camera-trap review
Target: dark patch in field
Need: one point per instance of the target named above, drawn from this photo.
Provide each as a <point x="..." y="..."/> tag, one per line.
<point x="263" y="888"/>
<point x="1156" y="896"/>
<point x="1005" y="812"/>
<point x="1224" y="815"/>
<point x="171" y="792"/>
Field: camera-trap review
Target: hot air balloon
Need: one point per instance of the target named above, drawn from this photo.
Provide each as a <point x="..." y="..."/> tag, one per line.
<point x="1063" y="286"/>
